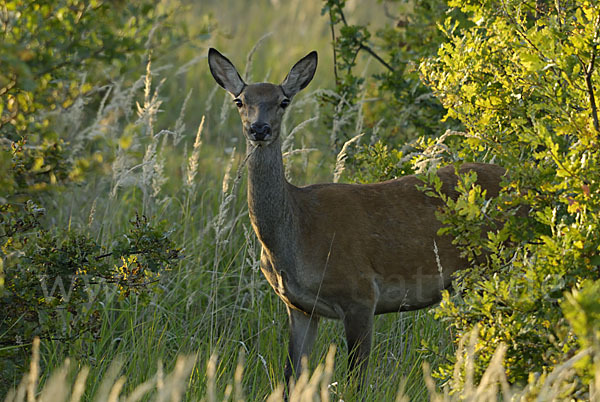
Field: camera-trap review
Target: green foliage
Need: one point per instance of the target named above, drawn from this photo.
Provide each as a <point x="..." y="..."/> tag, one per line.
<point x="32" y="169"/>
<point x="46" y="47"/>
<point x="61" y="61"/>
<point x="582" y="308"/>
<point x="57" y="57"/>
<point x="522" y="81"/>
<point x="56" y="282"/>
<point x="378" y="163"/>
<point x="400" y="107"/>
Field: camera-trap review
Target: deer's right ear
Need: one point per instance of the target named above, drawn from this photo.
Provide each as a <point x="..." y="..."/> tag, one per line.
<point x="224" y="72"/>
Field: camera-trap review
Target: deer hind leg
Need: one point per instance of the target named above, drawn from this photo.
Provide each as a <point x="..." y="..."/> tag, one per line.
<point x="358" y="324"/>
<point x="303" y="332"/>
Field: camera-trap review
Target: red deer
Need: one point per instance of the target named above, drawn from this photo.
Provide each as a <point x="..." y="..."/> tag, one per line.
<point x="345" y="251"/>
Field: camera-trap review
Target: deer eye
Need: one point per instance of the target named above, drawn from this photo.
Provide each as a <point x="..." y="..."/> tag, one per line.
<point x="284" y="103"/>
<point x="238" y="102"/>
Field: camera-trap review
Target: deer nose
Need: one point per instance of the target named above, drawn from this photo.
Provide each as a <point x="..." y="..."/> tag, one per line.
<point x="260" y="131"/>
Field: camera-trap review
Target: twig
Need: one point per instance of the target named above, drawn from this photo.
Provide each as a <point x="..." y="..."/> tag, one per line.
<point x="379" y="59"/>
<point x="361" y="46"/>
<point x="140" y="252"/>
<point x="588" y="76"/>
<point x="9" y="86"/>
<point x="331" y="25"/>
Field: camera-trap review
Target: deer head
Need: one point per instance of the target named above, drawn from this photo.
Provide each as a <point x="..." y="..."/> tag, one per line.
<point x="261" y="105"/>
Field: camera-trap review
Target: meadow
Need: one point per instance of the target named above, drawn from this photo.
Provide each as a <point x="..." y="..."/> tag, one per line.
<point x="167" y="146"/>
<point x="183" y="166"/>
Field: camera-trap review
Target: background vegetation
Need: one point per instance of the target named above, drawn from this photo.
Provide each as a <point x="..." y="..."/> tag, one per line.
<point x="123" y="226"/>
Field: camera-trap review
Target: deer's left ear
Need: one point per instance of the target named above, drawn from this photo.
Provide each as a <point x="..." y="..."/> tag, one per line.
<point x="300" y="75"/>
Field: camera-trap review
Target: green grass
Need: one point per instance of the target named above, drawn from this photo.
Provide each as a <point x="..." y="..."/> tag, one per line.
<point x="216" y="302"/>
<point x="215" y="312"/>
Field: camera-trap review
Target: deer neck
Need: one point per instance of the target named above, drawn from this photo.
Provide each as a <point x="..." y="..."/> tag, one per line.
<point x="269" y="201"/>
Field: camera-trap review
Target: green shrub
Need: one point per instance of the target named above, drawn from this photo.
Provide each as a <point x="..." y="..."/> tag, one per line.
<point x="61" y="62"/>
<point x="521" y="79"/>
<point x="387" y="101"/>
<point x="56" y="282"/>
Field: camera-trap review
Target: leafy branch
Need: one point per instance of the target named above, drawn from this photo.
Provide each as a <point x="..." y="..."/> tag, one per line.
<point x="336" y="14"/>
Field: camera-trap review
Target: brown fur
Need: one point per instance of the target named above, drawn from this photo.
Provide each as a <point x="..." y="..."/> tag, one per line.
<point x="343" y="251"/>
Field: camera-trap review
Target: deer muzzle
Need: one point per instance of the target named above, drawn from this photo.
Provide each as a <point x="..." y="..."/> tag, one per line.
<point x="260" y="131"/>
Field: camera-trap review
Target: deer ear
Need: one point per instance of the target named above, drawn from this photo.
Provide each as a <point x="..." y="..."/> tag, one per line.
<point x="224" y="72"/>
<point x="300" y="75"/>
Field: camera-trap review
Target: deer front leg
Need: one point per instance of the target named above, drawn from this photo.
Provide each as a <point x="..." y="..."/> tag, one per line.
<point x="303" y="332"/>
<point x="358" y="324"/>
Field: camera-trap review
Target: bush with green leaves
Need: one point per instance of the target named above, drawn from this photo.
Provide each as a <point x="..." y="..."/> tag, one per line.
<point x="388" y="103"/>
<point x="581" y="307"/>
<point x="55" y="282"/>
<point x="59" y="58"/>
<point x="55" y="52"/>
<point x="377" y="162"/>
<point x="523" y="80"/>
<point x="64" y="64"/>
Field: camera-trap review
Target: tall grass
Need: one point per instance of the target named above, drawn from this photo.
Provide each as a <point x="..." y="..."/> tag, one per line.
<point x="180" y="160"/>
<point x="315" y="386"/>
<point x="216" y="305"/>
